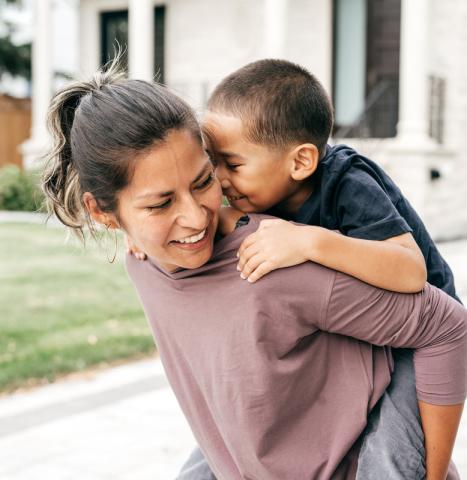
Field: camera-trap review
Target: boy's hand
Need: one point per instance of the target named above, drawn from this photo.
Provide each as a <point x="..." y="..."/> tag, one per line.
<point x="276" y="244"/>
<point x="132" y="249"/>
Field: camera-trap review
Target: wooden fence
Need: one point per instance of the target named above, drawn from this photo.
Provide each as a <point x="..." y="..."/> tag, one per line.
<point x="15" y="128"/>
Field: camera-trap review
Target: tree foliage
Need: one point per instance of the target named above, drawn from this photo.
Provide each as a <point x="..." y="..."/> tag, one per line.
<point x="14" y="59"/>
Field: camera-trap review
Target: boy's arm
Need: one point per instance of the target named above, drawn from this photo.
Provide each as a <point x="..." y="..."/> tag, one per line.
<point x="395" y="264"/>
<point x="357" y="204"/>
<point x="440" y="424"/>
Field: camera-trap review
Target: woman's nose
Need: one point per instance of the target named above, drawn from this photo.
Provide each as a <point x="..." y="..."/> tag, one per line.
<point x="192" y="214"/>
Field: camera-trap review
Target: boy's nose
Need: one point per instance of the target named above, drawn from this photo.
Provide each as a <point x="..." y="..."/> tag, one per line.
<point x="225" y="184"/>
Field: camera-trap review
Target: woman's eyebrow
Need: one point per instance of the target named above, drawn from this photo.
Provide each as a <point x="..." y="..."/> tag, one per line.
<point x="153" y="194"/>
<point x="205" y="168"/>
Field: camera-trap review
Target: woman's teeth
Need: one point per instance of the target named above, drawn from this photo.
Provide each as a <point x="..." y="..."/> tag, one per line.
<point x="194" y="238"/>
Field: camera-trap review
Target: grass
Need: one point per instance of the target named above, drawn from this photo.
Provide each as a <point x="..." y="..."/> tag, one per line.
<point x="62" y="308"/>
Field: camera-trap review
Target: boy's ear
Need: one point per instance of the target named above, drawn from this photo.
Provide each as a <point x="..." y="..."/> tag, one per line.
<point x="305" y="158"/>
<point x="96" y="213"/>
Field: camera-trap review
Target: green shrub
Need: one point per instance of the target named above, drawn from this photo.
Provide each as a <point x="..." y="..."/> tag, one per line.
<point x="19" y="190"/>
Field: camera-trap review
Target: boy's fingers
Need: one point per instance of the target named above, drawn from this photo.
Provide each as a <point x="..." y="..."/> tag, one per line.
<point x="245" y="256"/>
<point x="250" y="266"/>
<point x="248" y="241"/>
<point x="262" y="270"/>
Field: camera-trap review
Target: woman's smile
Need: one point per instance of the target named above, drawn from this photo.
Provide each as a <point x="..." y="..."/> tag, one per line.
<point x="194" y="242"/>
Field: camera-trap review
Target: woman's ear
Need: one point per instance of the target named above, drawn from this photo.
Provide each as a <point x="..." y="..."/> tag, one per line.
<point x="305" y="158"/>
<point x="96" y="213"/>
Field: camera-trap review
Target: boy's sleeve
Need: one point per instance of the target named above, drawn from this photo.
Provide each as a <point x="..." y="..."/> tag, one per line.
<point x="430" y="322"/>
<point x="364" y="208"/>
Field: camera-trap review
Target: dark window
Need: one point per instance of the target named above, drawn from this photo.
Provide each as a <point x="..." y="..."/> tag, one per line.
<point x="114" y="33"/>
<point x="159" y="43"/>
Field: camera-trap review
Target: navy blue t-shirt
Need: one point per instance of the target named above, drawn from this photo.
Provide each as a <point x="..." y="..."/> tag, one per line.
<point x="355" y="196"/>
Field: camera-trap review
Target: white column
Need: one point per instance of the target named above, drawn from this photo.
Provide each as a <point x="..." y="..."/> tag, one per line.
<point x="413" y="151"/>
<point x="275" y="22"/>
<point x="42" y="76"/>
<point x="141" y="39"/>
<point x="413" y="84"/>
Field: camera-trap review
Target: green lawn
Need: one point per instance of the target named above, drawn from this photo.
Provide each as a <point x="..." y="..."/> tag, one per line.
<point x="63" y="308"/>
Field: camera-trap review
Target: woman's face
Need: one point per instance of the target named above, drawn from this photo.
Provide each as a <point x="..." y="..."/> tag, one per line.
<point x="170" y="208"/>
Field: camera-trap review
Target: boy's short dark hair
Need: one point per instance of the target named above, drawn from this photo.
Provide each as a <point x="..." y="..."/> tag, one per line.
<point x="280" y="103"/>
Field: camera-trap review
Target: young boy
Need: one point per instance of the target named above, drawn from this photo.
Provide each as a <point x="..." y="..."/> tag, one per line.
<point x="267" y="128"/>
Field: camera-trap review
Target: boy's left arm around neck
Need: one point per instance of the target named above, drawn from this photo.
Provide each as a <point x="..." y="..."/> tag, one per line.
<point x="395" y="264"/>
<point x="228" y="218"/>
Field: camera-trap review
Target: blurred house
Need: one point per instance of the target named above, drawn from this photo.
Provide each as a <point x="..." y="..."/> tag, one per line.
<point x="396" y="70"/>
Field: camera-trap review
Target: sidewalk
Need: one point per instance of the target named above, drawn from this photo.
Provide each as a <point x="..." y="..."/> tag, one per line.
<point x="123" y="423"/>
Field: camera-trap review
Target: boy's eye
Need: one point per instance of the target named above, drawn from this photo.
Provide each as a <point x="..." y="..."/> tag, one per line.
<point x="231" y="166"/>
<point x="209" y="179"/>
<point x="160" y="205"/>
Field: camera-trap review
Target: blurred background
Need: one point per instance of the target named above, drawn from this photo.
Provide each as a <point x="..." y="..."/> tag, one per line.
<point x="397" y="73"/>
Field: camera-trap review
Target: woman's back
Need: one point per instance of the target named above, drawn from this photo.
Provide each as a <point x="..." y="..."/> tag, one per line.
<point x="267" y="393"/>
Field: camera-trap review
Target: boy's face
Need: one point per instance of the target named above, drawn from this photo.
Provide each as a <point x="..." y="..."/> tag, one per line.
<point x="253" y="177"/>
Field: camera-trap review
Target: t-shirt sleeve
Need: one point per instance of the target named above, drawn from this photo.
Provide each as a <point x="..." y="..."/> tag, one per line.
<point x="365" y="210"/>
<point x="431" y="322"/>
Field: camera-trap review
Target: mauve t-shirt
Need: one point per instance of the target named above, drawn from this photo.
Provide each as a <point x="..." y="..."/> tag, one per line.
<point x="277" y="378"/>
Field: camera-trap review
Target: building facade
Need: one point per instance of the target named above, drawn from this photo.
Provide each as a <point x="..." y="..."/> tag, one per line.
<point x="396" y="70"/>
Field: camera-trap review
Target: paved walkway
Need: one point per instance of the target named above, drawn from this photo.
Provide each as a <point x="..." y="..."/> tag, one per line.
<point x="121" y="424"/>
<point x="28" y="217"/>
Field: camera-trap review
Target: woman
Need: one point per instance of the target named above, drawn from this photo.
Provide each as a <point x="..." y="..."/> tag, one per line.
<point x="277" y="378"/>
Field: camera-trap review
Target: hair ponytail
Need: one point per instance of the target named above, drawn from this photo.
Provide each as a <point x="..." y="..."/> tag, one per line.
<point x="60" y="182"/>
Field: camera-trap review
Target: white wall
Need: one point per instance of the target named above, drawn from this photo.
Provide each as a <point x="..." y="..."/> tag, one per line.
<point x="206" y="40"/>
<point x="20" y="16"/>
<point x="448" y="59"/>
<point x="309" y="41"/>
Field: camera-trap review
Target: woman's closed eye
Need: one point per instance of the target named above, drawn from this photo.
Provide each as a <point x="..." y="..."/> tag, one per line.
<point x="160" y="206"/>
<point x="206" y="182"/>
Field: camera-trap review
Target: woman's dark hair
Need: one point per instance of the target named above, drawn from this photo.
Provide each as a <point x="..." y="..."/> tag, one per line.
<point x="98" y="128"/>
